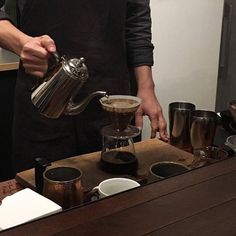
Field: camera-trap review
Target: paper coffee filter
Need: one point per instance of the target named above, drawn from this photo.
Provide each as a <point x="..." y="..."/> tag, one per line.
<point x="120" y="103"/>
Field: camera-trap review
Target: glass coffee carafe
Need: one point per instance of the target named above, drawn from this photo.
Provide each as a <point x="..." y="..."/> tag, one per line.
<point x="118" y="152"/>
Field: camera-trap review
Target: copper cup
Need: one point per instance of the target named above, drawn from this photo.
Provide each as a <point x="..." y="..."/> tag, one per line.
<point x="63" y="186"/>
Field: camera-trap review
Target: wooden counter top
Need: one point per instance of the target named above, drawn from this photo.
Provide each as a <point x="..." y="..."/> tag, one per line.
<point x="8" y="60"/>
<point x="147" y="151"/>
<point x="199" y="202"/>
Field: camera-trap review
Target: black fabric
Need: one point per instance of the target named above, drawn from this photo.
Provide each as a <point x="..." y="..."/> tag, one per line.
<point x="138" y="33"/>
<point x="3" y="14"/>
<point x="95" y="30"/>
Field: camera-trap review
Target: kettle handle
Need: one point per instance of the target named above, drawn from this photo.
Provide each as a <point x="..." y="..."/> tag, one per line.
<point x="56" y="56"/>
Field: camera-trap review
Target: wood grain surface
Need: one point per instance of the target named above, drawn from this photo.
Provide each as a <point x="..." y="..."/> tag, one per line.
<point x="148" y="152"/>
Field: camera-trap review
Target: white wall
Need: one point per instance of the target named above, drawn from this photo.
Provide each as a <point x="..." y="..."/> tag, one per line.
<point x="186" y="36"/>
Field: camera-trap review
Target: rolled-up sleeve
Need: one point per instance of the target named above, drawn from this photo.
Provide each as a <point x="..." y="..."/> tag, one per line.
<point x="138" y="33"/>
<point x="3" y="14"/>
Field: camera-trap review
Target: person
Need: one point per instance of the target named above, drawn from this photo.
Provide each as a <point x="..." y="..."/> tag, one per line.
<point x="113" y="36"/>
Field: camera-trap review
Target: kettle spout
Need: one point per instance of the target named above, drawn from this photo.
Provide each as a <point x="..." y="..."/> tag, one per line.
<point x="76" y="108"/>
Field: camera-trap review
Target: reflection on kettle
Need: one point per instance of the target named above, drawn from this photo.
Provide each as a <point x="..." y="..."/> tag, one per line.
<point x="55" y="93"/>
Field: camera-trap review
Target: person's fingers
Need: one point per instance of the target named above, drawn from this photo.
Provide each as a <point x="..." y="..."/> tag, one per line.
<point x="35" y="54"/>
<point x="154" y="126"/>
<point x="48" y="43"/>
<point x="158" y="124"/>
<point x="35" y="65"/>
<point x="164" y="135"/>
<point x="36" y="70"/>
<point x="163" y="130"/>
<point x="35" y="73"/>
<point x="139" y="119"/>
<point x="38" y="47"/>
<point x="31" y="59"/>
<point x="33" y="49"/>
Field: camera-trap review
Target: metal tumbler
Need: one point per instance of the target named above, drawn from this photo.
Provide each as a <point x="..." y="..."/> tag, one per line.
<point x="203" y="128"/>
<point x="179" y="124"/>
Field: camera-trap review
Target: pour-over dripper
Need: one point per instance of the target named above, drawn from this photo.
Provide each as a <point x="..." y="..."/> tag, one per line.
<point x="121" y="109"/>
<point x="118" y="153"/>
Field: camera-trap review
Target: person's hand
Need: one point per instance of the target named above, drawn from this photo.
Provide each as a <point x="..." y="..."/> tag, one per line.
<point x="35" y="53"/>
<point x="151" y="107"/>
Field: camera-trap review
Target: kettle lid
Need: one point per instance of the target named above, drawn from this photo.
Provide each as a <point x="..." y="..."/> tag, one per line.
<point x="75" y="68"/>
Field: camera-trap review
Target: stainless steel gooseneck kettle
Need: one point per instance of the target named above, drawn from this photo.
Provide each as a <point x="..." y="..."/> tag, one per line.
<point x="54" y="95"/>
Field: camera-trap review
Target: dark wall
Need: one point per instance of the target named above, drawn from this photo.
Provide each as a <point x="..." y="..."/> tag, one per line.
<point x="227" y="77"/>
<point x="7" y="85"/>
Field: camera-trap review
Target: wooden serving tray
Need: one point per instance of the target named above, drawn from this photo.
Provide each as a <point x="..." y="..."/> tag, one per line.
<point x="148" y="152"/>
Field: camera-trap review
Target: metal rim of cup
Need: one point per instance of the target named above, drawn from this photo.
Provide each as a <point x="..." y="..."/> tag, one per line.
<point x="167" y="162"/>
<point x="209" y="149"/>
<point x="110" y="179"/>
<point x="182" y="105"/>
<point x="203" y="114"/>
<point x="62" y="181"/>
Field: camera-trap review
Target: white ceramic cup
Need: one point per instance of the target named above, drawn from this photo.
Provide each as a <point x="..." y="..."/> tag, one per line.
<point x="112" y="186"/>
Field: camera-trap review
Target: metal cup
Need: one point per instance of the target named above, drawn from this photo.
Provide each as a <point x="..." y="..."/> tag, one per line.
<point x="179" y="124"/>
<point x="208" y="155"/>
<point x="203" y="128"/>
<point x="63" y="186"/>
<point x="165" y="169"/>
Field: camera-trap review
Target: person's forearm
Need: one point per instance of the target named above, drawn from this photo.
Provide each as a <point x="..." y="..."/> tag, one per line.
<point x="143" y="75"/>
<point x="11" y="38"/>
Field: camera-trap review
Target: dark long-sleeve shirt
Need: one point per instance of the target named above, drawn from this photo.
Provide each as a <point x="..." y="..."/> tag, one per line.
<point x="138" y="31"/>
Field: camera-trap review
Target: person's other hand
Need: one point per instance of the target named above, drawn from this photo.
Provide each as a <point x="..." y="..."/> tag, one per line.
<point x="35" y="53"/>
<point x="151" y="107"/>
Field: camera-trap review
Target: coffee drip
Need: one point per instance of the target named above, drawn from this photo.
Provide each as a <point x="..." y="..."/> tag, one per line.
<point x="118" y="153"/>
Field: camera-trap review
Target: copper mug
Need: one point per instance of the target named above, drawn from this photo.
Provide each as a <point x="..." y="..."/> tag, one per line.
<point x="63" y="186"/>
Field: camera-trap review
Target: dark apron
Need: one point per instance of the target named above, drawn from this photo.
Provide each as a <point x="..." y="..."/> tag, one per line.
<point x="93" y="29"/>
